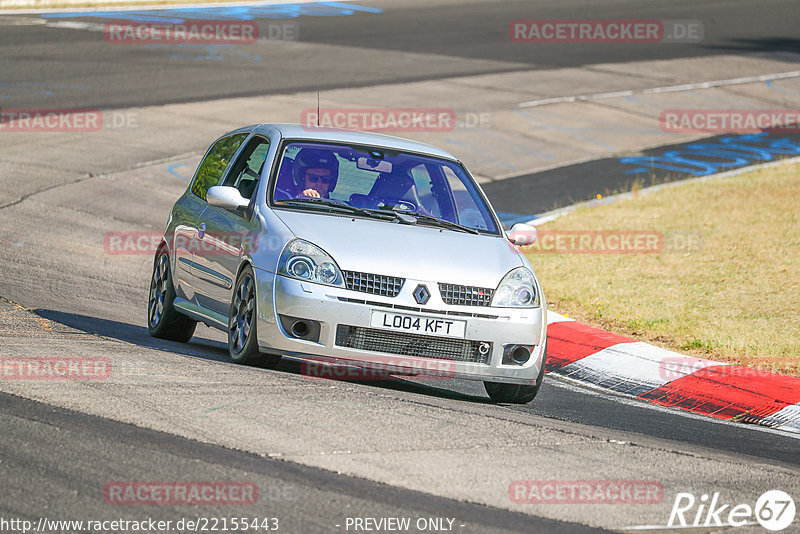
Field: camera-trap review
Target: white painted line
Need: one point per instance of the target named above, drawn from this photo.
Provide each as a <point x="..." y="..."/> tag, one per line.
<point x="665" y="89"/>
<point x="74" y="25"/>
<point x="614" y="94"/>
<point x="723" y="83"/>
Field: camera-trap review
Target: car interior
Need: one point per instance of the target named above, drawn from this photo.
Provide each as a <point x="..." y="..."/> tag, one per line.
<point x="395" y="189"/>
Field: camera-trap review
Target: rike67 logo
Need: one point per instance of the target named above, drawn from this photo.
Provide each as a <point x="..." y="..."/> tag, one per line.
<point x="774" y="510"/>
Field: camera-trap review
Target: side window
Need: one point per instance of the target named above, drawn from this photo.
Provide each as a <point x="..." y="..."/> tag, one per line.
<point x="213" y="165"/>
<point x="246" y="172"/>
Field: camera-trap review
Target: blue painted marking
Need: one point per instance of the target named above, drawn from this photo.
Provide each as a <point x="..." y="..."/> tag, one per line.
<point x="702" y="159"/>
<point x="35" y="84"/>
<point x="33" y="87"/>
<point x="251" y="12"/>
<point x="770" y="85"/>
<point x="171" y="170"/>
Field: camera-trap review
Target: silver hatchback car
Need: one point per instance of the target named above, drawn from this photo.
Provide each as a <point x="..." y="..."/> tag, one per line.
<point x="344" y="247"/>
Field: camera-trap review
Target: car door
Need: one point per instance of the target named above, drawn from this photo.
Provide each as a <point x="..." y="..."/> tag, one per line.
<point x="229" y="233"/>
<point x="190" y="280"/>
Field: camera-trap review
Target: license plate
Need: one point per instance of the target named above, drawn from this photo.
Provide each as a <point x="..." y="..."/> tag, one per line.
<point x="417" y="324"/>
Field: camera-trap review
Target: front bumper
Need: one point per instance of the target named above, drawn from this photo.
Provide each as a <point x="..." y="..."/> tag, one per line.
<point x="333" y="307"/>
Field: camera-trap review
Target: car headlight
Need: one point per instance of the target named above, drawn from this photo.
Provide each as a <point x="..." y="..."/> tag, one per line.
<point x="305" y="261"/>
<point x="516" y="289"/>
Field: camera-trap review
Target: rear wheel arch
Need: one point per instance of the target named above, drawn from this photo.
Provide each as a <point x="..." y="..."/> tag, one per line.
<point x="163" y="319"/>
<point x="163" y="247"/>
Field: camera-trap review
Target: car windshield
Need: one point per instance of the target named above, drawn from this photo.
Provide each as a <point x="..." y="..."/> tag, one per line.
<point x="371" y="180"/>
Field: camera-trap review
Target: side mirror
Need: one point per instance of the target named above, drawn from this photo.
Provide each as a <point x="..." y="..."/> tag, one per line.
<point x="226" y="197"/>
<point x="520" y="234"/>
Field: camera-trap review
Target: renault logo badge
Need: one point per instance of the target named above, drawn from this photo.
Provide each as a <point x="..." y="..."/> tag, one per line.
<point x="421" y="294"/>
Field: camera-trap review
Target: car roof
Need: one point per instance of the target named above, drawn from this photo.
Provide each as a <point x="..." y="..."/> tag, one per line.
<point x="312" y="133"/>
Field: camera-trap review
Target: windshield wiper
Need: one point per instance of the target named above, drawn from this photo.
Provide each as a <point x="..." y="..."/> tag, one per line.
<point x="328" y="203"/>
<point x="444" y="222"/>
<point x="430" y="219"/>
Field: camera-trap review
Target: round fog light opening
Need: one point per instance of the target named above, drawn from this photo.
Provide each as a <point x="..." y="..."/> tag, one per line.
<point x="521" y="354"/>
<point x="300" y="329"/>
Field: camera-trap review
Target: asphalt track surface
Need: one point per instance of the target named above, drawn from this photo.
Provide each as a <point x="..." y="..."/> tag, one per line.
<point x="362" y="49"/>
<point x="90" y="449"/>
<point x="70" y="478"/>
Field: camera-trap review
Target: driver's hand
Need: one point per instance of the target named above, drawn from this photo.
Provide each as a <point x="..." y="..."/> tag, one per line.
<point x="313" y="193"/>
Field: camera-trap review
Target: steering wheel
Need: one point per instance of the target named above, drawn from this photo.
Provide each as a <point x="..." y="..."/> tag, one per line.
<point x="400" y="204"/>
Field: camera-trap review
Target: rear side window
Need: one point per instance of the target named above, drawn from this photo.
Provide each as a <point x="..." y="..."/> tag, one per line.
<point x="213" y="165"/>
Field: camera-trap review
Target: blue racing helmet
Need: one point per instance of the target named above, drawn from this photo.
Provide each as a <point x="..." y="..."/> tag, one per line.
<point x="315" y="158"/>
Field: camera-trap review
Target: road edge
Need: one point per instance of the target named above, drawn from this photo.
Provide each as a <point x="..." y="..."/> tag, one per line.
<point x="601" y="359"/>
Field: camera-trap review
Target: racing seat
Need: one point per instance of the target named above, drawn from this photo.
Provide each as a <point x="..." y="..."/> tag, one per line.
<point x="248" y="182"/>
<point x="396" y="189"/>
<point x="284" y="185"/>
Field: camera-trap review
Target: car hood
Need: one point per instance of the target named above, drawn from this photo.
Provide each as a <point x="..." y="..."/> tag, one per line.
<point x="404" y="250"/>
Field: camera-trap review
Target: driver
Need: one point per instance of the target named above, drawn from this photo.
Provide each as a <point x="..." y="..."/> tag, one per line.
<point x="316" y="172"/>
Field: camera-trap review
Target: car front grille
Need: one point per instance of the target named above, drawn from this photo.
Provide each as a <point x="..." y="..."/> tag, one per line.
<point x="465" y="295"/>
<point x="375" y="284"/>
<point x="371" y="339"/>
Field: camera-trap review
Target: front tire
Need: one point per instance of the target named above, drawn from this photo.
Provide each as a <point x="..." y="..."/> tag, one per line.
<point x="163" y="320"/>
<point x="516" y="393"/>
<point x="242" y="324"/>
